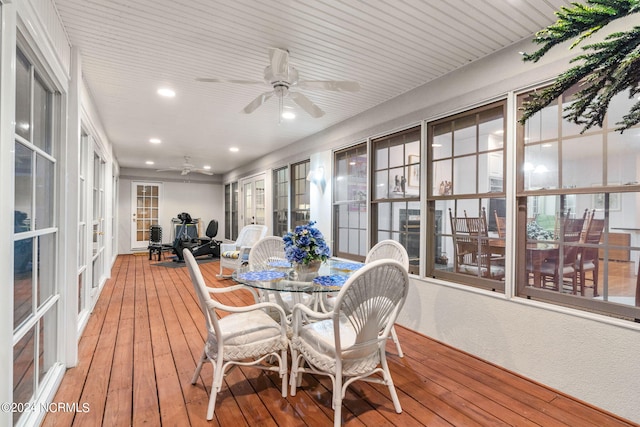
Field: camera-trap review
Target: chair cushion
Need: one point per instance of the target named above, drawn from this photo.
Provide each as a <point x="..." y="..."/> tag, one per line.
<point x="289" y="299"/>
<point x="316" y="342"/>
<point x="246" y="335"/>
<point x="496" y="271"/>
<point x="230" y="254"/>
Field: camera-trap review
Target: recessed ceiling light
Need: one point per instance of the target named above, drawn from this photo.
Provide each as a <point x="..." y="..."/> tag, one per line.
<point x="234" y="149"/>
<point x="149" y="162"/>
<point x="155" y="141"/>
<point x="436" y="145"/>
<point x="207" y="167"/>
<point x="547" y="145"/>
<point x="289" y="115"/>
<point x="169" y="93"/>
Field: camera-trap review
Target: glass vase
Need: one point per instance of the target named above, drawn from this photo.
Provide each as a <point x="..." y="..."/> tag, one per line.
<point x="307" y="272"/>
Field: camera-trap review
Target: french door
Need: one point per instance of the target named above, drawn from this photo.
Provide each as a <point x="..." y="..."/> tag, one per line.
<point x="145" y="202"/>
<point x="231" y="211"/>
<point x="98" y="224"/>
<point x="36" y="289"/>
<point x="254" y="200"/>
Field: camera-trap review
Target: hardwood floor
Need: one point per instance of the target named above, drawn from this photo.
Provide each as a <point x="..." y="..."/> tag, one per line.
<point x="140" y="348"/>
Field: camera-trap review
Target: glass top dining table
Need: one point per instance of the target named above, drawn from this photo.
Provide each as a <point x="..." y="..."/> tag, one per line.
<point x="282" y="277"/>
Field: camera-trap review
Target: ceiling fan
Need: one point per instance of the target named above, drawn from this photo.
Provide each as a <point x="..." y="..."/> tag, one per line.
<point x="187" y="168"/>
<point x="282" y="77"/>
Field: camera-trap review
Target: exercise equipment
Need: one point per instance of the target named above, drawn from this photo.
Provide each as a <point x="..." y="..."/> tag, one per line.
<point x="187" y="238"/>
<point x="155" y="242"/>
<point x="207" y="245"/>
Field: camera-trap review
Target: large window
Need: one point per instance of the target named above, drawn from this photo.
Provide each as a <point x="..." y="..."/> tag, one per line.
<point x="231" y="211"/>
<point x="395" y="206"/>
<point x="280" y="201"/>
<point x="466" y="198"/>
<point x="300" y="190"/>
<point x="578" y="218"/>
<point x="350" y="203"/>
<point x="35" y="290"/>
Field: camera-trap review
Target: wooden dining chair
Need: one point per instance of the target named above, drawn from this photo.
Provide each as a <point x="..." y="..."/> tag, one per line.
<point x="638" y="287"/>
<point x="588" y="259"/>
<point x="588" y="215"/>
<point x="472" y="252"/>
<point x="501" y="224"/>
<point x="556" y="268"/>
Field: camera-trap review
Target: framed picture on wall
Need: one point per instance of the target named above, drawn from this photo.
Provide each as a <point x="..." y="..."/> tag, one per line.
<point x="614" y="201"/>
<point x="413" y="171"/>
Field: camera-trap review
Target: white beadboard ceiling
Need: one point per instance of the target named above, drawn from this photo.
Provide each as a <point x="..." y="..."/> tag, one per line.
<point x="131" y="48"/>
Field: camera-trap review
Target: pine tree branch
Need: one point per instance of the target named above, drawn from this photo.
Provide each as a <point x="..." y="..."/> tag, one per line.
<point x="606" y="68"/>
<point x="580" y="21"/>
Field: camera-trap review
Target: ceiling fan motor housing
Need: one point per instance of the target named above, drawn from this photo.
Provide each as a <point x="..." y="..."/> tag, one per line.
<point x="288" y="79"/>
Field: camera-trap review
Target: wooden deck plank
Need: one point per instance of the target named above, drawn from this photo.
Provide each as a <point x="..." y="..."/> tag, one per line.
<point x="71" y="388"/>
<point x="146" y="334"/>
<point x="145" y="392"/>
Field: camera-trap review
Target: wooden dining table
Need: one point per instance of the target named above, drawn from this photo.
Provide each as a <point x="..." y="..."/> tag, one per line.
<point x="537" y="254"/>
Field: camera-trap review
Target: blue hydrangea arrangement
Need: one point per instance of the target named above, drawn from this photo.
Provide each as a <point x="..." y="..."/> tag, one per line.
<point x="305" y="244"/>
<point x="536" y="232"/>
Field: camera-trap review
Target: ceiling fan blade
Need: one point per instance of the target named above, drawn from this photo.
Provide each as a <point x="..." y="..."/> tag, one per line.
<point x="306" y="104"/>
<point x="279" y="61"/>
<point x="185" y="172"/>
<point x="168" y="169"/>
<point x="333" y="85"/>
<point x="261" y="99"/>
<point x="242" y="82"/>
<point x="203" y="171"/>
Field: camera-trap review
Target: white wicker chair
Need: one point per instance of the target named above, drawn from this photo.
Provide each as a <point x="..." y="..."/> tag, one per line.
<point x="390" y="249"/>
<point x="247" y="336"/>
<point x="234" y="254"/>
<point x="348" y="343"/>
<point x="268" y="249"/>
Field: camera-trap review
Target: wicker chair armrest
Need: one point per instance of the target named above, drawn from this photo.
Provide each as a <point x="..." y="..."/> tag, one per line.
<point x="227" y="247"/>
<point x="213" y="304"/>
<point x="300" y="309"/>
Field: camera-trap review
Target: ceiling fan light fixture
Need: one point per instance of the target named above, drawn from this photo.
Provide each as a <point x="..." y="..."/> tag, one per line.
<point x="166" y="92"/>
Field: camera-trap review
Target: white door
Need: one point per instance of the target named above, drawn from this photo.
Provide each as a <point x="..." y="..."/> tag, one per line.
<point x="84" y="180"/>
<point x="254" y="200"/>
<point x="145" y="200"/>
<point x="98" y="197"/>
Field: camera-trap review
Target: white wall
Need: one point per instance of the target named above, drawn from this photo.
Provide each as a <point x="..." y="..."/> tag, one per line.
<point x="201" y="197"/>
<point x="591" y="357"/>
<point x="320" y="195"/>
<point x="583" y="355"/>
